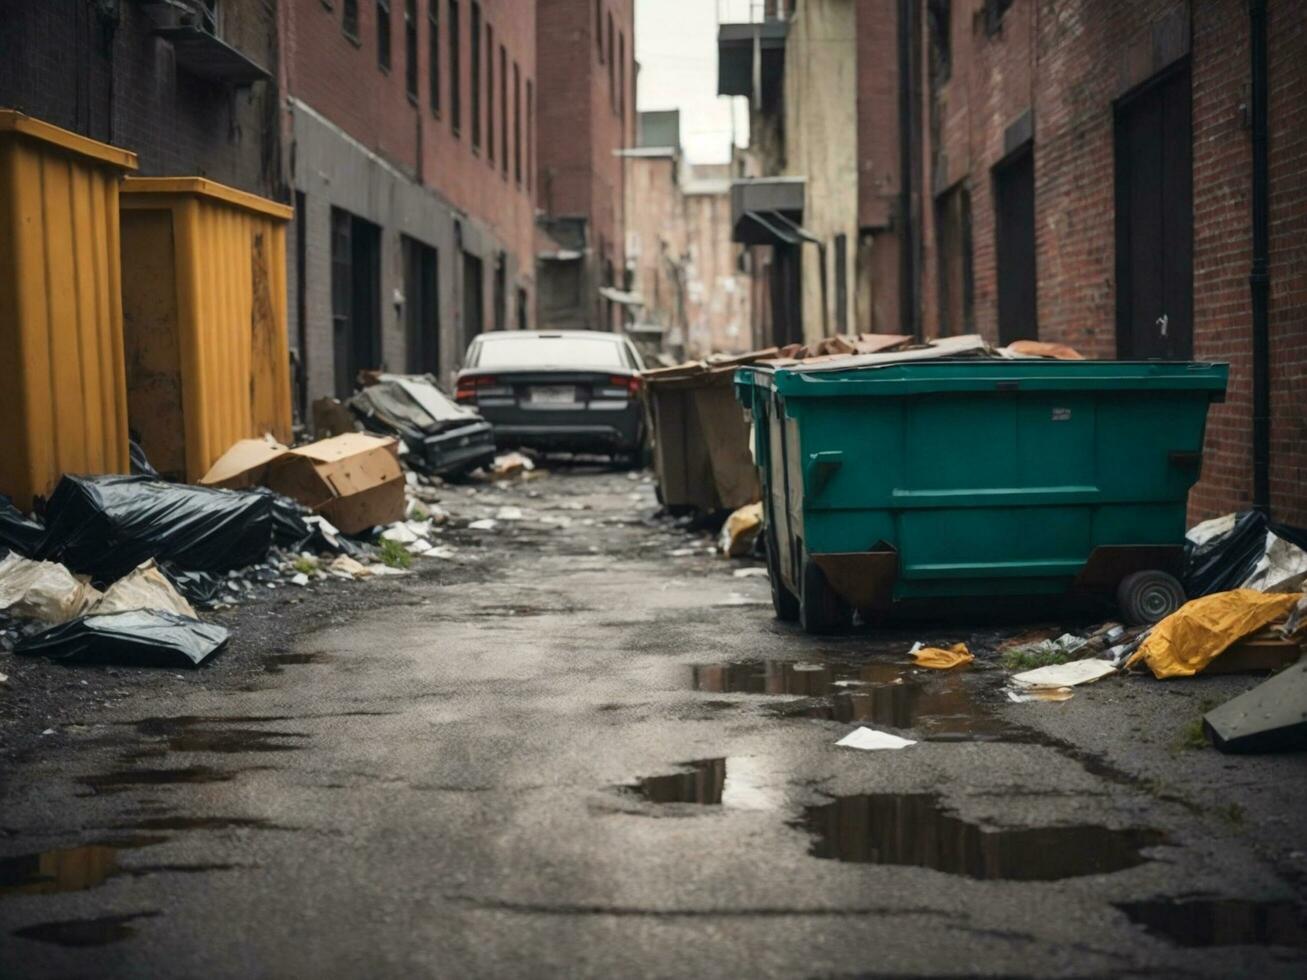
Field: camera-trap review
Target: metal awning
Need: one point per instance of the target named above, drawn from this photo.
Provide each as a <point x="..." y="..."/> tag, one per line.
<point x="618" y="296"/>
<point x="210" y="57"/>
<point x="771" y="228"/>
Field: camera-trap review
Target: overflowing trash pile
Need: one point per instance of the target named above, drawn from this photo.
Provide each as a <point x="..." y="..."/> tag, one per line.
<point x="115" y="567"/>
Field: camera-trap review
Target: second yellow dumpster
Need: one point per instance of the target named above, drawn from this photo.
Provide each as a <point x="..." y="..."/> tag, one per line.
<point x="204" y="315"/>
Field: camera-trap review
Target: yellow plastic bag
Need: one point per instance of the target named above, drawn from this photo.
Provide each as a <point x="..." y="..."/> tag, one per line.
<point x="938" y="659"/>
<point x="1199" y="631"/>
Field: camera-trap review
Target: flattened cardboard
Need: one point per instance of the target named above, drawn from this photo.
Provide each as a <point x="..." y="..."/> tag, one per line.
<point x="245" y="464"/>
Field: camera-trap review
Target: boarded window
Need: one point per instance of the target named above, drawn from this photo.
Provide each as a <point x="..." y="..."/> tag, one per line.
<point x="956" y="286"/>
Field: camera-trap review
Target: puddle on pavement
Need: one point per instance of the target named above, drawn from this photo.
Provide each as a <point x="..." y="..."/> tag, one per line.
<point x="198" y="733"/>
<point x="85" y="932"/>
<point x="914" y="829"/>
<point x="732" y="782"/>
<point x="66" y="869"/>
<point x="937" y="706"/>
<point x="1220" y="921"/>
<point x="123" y="779"/>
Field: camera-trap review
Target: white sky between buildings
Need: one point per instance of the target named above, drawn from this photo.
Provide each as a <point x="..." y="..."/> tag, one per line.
<point x="676" y="46"/>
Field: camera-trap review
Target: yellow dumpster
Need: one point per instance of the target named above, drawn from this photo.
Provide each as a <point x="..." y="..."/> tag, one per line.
<point x="64" y="408"/>
<point x="204" y="309"/>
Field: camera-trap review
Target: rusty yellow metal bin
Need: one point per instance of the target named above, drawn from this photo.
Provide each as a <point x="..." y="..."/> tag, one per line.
<point x="64" y="408"/>
<point x="204" y="309"/>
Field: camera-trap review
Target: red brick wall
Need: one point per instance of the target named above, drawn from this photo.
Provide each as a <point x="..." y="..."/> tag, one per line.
<point x="1069" y="60"/>
<point x="587" y="110"/>
<point x="340" y="78"/>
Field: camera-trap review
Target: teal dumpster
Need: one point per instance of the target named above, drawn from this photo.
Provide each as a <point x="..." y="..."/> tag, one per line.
<point x="948" y="479"/>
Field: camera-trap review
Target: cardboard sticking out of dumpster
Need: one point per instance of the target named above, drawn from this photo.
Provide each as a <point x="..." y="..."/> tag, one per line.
<point x="353" y="480"/>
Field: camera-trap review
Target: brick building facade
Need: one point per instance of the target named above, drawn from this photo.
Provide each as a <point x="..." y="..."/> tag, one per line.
<point x="585" y="50"/>
<point x="126" y="74"/>
<point x="410" y="133"/>
<point x="1085" y="176"/>
<point x="1073" y="170"/>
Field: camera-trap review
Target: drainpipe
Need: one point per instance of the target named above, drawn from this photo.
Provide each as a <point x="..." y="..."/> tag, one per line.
<point x="907" y="229"/>
<point x="1260" y="278"/>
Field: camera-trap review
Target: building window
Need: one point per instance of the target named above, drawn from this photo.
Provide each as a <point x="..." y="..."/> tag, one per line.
<point x="455" y="83"/>
<point x="475" y="82"/>
<point x="355" y="298"/>
<point x="621" y="81"/>
<point x="612" y="95"/>
<point x="349" y="21"/>
<point x="530" y="128"/>
<point x="940" y="16"/>
<point x="994" y="11"/>
<point x="503" y="108"/>
<point x="955" y="282"/>
<point x="383" y="34"/>
<point x="490" y="96"/>
<point x="433" y="55"/>
<point x="411" y="48"/>
<point x="517" y="123"/>
<point x="599" y="29"/>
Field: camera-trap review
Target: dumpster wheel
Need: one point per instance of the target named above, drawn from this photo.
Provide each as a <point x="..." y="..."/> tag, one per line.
<point x="1148" y="597"/>
<point x="820" y="609"/>
<point x="783" y="601"/>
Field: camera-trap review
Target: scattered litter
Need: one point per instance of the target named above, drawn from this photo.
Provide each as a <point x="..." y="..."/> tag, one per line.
<point x="141" y="637"/>
<point x="509" y="514"/>
<point x="1023" y="695"/>
<point x="301" y="579"/>
<point x="510" y="465"/>
<point x="400" y="533"/>
<point x="18" y="531"/>
<point x="4" y="678"/>
<point x="1064" y="675"/>
<point x="145" y="588"/>
<point x="343" y="566"/>
<point x="940" y="659"/>
<point x="42" y="590"/>
<point x="485" y="524"/>
<point x="49" y="731"/>
<point x="740" y="531"/>
<point x="1269" y="718"/>
<point x="683" y="552"/>
<point x="1199" y="631"/>
<point x="869" y="739"/>
<point x="749" y="573"/>
<point x="736" y="599"/>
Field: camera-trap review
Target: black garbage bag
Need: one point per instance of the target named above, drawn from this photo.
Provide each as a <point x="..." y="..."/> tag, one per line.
<point x="140" y="637"/>
<point x="17" y="531"/>
<point x="140" y="462"/>
<point x="199" y="588"/>
<point x="1226" y="562"/>
<point x="105" y="526"/>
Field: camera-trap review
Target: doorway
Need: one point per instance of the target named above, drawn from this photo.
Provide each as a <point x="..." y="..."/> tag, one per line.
<point x="355" y="298"/>
<point x="473" y="298"/>
<point x="1014" y="207"/>
<point x="422" y="307"/>
<point x="786" y="295"/>
<point x="1155" y="220"/>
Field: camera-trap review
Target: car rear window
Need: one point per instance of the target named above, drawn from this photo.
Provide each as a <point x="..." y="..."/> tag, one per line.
<point x="550" y="351"/>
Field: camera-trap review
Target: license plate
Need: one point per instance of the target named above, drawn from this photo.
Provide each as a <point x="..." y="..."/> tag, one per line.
<point x="553" y="395"/>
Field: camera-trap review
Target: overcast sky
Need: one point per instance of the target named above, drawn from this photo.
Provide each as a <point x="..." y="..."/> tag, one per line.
<point x="676" y="45"/>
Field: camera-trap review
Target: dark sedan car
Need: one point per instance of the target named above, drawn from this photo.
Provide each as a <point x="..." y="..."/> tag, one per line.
<point x="573" y="390"/>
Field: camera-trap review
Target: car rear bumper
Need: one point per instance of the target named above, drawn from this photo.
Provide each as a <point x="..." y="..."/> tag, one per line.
<point x="603" y="430"/>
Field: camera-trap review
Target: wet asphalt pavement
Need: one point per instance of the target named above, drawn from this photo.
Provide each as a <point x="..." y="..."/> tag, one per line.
<point x="584" y="747"/>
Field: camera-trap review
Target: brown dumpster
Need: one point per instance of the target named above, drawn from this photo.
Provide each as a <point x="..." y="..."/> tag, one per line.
<point x="701" y="436"/>
<point x="65" y="404"/>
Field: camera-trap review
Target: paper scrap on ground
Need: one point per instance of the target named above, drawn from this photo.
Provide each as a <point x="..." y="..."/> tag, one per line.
<point x="1201" y="630"/>
<point x="485" y="524"/>
<point x="1022" y="695"/>
<point x="939" y="659"/>
<point x="1065" y="675"/>
<point x="868" y="739"/>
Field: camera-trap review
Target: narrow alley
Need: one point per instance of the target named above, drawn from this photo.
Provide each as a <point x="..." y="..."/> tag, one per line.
<point x="585" y="747"/>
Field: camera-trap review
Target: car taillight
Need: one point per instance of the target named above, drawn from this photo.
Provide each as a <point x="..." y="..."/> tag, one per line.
<point x="467" y="387"/>
<point x="631" y="384"/>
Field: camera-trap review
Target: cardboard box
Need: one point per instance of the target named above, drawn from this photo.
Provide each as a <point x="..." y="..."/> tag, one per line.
<point x="352" y="480"/>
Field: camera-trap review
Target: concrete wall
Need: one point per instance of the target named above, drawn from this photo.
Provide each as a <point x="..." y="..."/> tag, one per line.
<point x="821" y="125"/>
